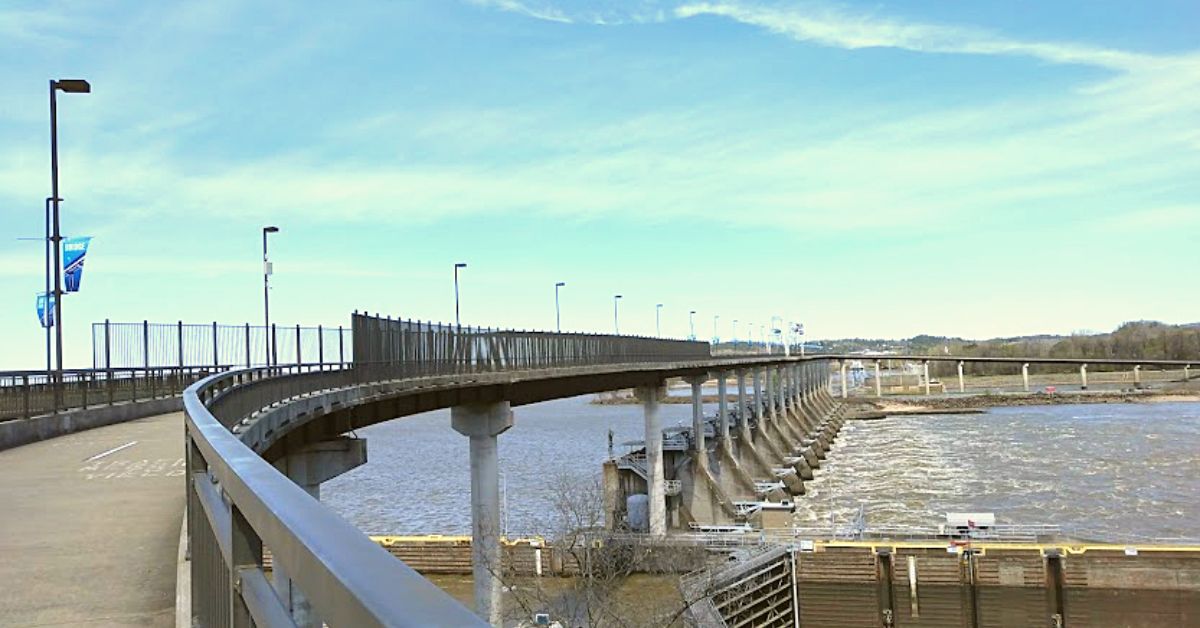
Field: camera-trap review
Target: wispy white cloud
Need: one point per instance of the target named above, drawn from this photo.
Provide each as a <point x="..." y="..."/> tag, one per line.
<point x="831" y="26"/>
<point x="543" y="12"/>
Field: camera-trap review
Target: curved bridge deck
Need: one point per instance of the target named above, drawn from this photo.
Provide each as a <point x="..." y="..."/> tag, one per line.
<point x="89" y="527"/>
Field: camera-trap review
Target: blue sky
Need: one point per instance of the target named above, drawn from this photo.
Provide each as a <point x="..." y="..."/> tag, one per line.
<point x="877" y="169"/>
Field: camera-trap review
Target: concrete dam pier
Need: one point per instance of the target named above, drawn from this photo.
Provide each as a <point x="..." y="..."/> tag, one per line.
<point x="739" y="469"/>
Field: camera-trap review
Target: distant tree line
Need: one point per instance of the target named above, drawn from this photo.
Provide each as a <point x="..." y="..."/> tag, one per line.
<point x="1135" y="340"/>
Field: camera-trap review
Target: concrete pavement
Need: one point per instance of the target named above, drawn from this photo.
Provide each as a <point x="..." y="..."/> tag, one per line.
<point x="89" y="526"/>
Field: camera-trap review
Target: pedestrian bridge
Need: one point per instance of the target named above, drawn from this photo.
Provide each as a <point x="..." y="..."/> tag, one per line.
<point x="259" y="442"/>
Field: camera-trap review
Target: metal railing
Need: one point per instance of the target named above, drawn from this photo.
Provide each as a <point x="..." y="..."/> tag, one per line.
<point x="147" y="344"/>
<point x="27" y="394"/>
<point x="238" y="504"/>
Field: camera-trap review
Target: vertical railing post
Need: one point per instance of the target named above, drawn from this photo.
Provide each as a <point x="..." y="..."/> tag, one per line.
<point x="341" y="348"/>
<point x="273" y="359"/>
<point x="85" y="382"/>
<point x="146" y="344"/>
<point x="247" y="345"/>
<point x="321" y="347"/>
<point x="216" y="350"/>
<point x="107" y="347"/>
<point x="298" y="360"/>
<point x="179" y="338"/>
<point x="25" y="394"/>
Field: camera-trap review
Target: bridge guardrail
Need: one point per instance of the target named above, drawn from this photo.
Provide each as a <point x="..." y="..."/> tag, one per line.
<point x="27" y="394"/>
<point x="238" y="503"/>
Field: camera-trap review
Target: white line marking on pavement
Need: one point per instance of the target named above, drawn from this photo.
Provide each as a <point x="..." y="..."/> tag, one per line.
<point x="112" y="451"/>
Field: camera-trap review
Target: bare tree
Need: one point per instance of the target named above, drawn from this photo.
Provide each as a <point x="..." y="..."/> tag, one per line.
<point x="606" y="577"/>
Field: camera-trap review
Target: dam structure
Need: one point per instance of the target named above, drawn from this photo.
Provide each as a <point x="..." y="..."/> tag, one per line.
<point x="259" y="440"/>
<point x="739" y="469"/>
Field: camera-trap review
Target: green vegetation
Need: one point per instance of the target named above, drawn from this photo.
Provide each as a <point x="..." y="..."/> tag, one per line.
<point x="1134" y="340"/>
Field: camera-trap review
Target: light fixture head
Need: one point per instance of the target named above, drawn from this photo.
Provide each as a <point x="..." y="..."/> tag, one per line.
<point x="73" y="86"/>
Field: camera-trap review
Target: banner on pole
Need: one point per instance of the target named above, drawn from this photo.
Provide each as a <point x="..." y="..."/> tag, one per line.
<point x="74" y="251"/>
<point x="45" y="309"/>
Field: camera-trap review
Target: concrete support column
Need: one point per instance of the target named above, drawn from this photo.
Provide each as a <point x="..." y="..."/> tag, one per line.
<point x="878" y="381"/>
<point x="722" y="404"/>
<point x="758" y="401"/>
<point x="1083" y="376"/>
<point x="741" y="398"/>
<point x="1025" y="375"/>
<point x="308" y="467"/>
<point x="780" y="395"/>
<point x="656" y="487"/>
<point x="699" y="450"/>
<point x="925" y="365"/>
<point x="962" y="388"/>
<point x="845" y="390"/>
<point x="483" y="423"/>
<point x="1137" y="376"/>
<point x="797" y="389"/>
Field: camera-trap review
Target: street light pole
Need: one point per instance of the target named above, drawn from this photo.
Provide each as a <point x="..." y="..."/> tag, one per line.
<point x="69" y="86"/>
<point x="557" y="311"/>
<point x="716" y="337"/>
<point x="658" y="319"/>
<point x="616" y="318"/>
<point x="735" y="322"/>
<point x="457" y="266"/>
<point x="692" y="323"/>
<point x="268" y="337"/>
<point x="46" y="312"/>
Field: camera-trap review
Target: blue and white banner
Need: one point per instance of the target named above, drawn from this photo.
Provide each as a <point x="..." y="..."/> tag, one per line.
<point x="74" y="251"/>
<point x="45" y="309"/>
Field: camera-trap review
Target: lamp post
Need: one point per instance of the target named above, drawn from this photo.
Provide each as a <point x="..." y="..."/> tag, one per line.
<point x="735" y="322"/>
<point x="268" y="337"/>
<point x="658" y="319"/>
<point x="692" y="323"/>
<point x="716" y="338"/>
<point x="557" y="311"/>
<point x="457" y="266"/>
<point x="616" y="319"/>
<point x="68" y="86"/>
<point x="46" y="312"/>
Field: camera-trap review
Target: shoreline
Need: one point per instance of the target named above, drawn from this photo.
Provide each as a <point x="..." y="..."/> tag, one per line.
<point x="876" y="408"/>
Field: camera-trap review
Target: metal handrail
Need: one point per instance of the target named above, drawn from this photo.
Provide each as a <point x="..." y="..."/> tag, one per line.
<point x="238" y="503"/>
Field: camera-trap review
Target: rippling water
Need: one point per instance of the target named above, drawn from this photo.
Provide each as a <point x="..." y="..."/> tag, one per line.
<point x="1106" y="470"/>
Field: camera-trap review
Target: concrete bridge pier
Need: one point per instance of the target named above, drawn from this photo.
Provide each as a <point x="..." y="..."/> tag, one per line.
<point x="747" y="456"/>
<point x="785" y="428"/>
<point x="309" y="466"/>
<point x="733" y="474"/>
<point x="483" y="423"/>
<point x="1083" y="376"/>
<point x="706" y="502"/>
<point x="925" y="367"/>
<point x="1025" y="375"/>
<point x="656" y="489"/>
<point x="768" y="427"/>
<point x="741" y="403"/>
<point x="878" y="381"/>
<point x="722" y="405"/>
<point x="1137" y="376"/>
<point x="962" y="388"/>
<point x="845" y="389"/>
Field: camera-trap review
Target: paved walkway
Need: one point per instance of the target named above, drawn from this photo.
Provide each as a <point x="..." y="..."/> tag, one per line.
<point x="89" y="526"/>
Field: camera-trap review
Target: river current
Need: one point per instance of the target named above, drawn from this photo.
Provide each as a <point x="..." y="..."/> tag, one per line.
<point x="1103" y="471"/>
